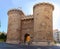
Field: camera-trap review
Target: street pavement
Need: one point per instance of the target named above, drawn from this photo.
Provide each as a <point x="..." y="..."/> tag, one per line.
<point x="18" y="46"/>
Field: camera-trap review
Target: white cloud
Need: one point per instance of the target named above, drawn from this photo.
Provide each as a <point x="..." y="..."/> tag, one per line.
<point x="56" y="17"/>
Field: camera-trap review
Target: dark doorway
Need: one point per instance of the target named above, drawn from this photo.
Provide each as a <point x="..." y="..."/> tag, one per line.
<point x="25" y="36"/>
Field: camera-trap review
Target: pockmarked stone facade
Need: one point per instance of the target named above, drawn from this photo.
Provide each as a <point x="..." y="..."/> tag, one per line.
<point x="38" y="26"/>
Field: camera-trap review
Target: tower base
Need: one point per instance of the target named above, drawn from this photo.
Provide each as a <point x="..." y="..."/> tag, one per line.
<point x="13" y="41"/>
<point x="43" y="43"/>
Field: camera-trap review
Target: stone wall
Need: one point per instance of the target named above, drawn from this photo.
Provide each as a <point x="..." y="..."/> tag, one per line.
<point x="39" y="25"/>
<point x="26" y="27"/>
<point x="14" y="26"/>
<point x="43" y="29"/>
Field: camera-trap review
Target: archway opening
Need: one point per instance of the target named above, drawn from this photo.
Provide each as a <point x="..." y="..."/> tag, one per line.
<point x="25" y="37"/>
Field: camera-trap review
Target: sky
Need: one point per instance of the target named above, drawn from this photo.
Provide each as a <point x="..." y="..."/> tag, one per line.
<point x="27" y="7"/>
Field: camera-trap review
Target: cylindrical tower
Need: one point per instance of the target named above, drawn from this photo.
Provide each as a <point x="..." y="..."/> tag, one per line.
<point x="43" y="29"/>
<point x="14" y="26"/>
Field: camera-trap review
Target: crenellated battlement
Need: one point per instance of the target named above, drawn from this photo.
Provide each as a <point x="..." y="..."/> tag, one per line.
<point x="15" y="11"/>
<point x="43" y="4"/>
<point x="39" y="25"/>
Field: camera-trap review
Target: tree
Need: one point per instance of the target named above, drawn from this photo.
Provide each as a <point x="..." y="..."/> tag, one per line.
<point x="3" y="36"/>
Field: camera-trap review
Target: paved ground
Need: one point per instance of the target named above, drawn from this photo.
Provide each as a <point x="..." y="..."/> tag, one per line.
<point x="13" y="46"/>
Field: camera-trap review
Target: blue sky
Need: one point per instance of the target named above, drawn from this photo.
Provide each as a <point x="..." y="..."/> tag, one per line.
<point x="27" y="7"/>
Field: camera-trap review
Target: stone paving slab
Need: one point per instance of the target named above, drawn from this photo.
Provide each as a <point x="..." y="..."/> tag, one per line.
<point x="18" y="46"/>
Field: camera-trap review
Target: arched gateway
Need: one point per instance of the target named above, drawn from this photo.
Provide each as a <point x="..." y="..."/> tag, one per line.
<point x="39" y="25"/>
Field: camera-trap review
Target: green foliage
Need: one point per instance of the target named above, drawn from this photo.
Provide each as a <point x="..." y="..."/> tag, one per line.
<point x="2" y="37"/>
<point x="1" y="40"/>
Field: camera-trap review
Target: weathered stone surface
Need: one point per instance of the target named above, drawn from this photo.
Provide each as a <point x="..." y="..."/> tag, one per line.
<point x="14" y="26"/>
<point x="38" y="25"/>
<point x="43" y="30"/>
